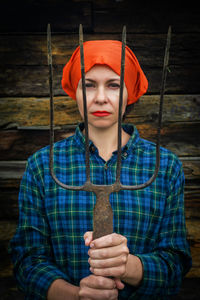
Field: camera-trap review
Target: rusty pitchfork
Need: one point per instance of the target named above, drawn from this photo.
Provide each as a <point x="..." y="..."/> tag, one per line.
<point x="102" y="213"/>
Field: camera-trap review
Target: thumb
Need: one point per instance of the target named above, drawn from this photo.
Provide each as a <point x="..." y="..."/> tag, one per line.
<point x="119" y="284"/>
<point x="88" y="236"/>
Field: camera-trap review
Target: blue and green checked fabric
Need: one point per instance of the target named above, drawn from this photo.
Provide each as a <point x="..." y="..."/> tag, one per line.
<point x="49" y="243"/>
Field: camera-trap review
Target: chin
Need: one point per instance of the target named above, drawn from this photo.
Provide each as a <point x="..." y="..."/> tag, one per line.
<point x="102" y="124"/>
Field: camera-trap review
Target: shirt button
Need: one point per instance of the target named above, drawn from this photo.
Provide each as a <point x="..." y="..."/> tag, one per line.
<point x="125" y="154"/>
<point x="92" y="149"/>
<point x="105" y="166"/>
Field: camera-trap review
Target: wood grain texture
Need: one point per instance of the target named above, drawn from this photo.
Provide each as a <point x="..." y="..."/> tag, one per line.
<point x="23" y="60"/>
<point x="33" y="16"/>
<point x="144" y="18"/>
<point x="98" y="16"/>
<point x="31" y="111"/>
<point x="182" y="139"/>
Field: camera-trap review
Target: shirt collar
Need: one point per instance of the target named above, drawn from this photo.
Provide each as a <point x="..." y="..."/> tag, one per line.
<point x="133" y="140"/>
<point x="79" y="138"/>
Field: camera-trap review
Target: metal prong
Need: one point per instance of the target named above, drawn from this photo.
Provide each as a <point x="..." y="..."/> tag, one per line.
<point x="164" y="74"/>
<point x="162" y="91"/>
<point x="51" y="158"/>
<point x="51" y="98"/>
<point x="87" y="159"/>
<point x="120" y="104"/>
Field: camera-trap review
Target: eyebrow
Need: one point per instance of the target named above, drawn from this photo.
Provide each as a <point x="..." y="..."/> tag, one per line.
<point x="110" y="80"/>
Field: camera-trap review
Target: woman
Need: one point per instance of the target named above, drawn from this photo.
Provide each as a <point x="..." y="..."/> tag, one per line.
<point x="54" y="254"/>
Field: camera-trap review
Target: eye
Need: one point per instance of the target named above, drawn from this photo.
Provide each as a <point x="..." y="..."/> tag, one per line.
<point x="114" y="85"/>
<point x="89" y="85"/>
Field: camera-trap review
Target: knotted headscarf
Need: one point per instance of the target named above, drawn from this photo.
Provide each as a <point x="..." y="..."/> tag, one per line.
<point x="105" y="52"/>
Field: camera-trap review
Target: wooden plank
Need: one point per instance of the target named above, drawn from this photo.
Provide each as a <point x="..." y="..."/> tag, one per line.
<point x="181" y="138"/>
<point x="18" y="144"/>
<point x="30" y="50"/>
<point x="102" y="16"/>
<point x="9" y="200"/>
<point x="35" y="111"/>
<point x="189" y="289"/>
<point x="15" y="169"/>
<point x="9" y="187"/>
<point x="63" y="16"/>
<point x="12" y="169"/>
<point x="176" y="108"/>
<point x="191" y="168"/>
<point x="9" y="205"/>
<point x="193" y="226"/>
<point x="33" y="80"/>
<point x="192" y="201"/>
<point x="23" y="61"/>
<point x="152" y="17"/>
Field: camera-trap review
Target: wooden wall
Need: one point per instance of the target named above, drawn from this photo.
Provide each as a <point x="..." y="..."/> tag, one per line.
<point x="24" y="102"/>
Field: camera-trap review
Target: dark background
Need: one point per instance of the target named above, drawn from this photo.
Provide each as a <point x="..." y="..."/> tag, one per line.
<point x="24" y="103"/>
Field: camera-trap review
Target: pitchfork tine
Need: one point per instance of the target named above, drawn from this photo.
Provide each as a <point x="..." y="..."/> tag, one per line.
<point x="162" y="91"/>
<point x="51" y="159"/>
<point x="87" y="160"/>
<point x="120" y="105"/>
<point x="51" y="97"/>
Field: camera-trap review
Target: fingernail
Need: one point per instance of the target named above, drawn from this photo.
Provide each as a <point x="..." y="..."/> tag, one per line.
<point x="92" y="245"/>
<point x="86" y="241"/>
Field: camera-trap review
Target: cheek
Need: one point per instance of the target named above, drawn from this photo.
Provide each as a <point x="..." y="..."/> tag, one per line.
<point x="125" y="99"/>
<point x="79" y="100"/>
<point x="124" y="105"/>
<point x="114" y="97"/>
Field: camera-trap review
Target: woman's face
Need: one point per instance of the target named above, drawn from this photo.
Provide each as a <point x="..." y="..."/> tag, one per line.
<point x="102" y="91"/>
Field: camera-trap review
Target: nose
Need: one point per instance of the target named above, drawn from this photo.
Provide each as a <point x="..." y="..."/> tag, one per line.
<point x="101" y="97"/>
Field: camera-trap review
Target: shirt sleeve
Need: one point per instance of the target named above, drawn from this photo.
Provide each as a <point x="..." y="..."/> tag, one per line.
<point x="170" y="260"/>
<point x="30" y="248"/>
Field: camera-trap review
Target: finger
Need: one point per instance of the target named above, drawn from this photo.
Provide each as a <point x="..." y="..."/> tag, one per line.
<point x="119" y="284"/>
<point x="109" y="272"/>
<point x="108" y="263"/>
<point x="105" y="253"/>
<point x="96" y="294"/>
<point x="98" y="282"/>
<point x="109" y="240"/>
<point x="88" y="236"/>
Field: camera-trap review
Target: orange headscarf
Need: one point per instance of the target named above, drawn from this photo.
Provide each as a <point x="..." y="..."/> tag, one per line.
<point x="105" y="52"/>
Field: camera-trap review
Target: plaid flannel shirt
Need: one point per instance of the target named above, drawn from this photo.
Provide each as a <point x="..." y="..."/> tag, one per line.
<point x="48" y="243"/>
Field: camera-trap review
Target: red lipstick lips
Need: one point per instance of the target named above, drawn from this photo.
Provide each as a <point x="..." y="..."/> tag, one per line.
<point x="101" y="113"/>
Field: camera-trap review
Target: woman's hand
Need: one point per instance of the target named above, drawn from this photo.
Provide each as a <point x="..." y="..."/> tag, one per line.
<point x="108" y="256"/>
<point x="98" y="288"/>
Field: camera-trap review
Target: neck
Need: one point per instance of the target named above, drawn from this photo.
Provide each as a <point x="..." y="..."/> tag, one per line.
<point x="106" y="140"/>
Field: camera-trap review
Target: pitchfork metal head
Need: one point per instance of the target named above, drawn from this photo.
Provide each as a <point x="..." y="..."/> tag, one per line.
<point x="103" y="215"/>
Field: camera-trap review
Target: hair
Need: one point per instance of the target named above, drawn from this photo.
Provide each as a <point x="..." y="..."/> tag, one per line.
<point x="128" y="109"/>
